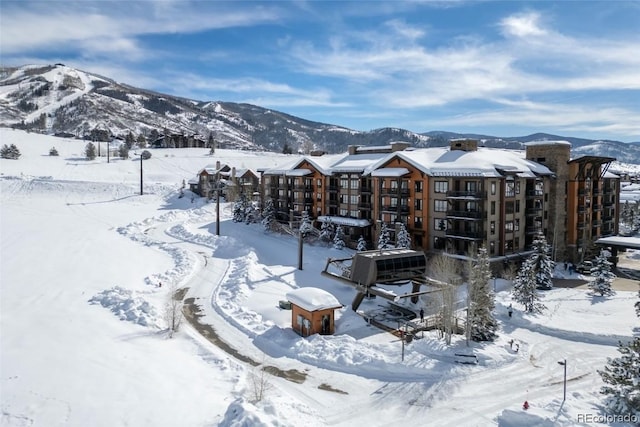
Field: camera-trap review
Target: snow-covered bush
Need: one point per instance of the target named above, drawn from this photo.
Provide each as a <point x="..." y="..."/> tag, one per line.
<point x="10" y="152"/>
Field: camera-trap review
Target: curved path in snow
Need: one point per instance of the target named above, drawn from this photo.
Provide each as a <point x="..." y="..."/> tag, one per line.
<point x="464" y="397"/>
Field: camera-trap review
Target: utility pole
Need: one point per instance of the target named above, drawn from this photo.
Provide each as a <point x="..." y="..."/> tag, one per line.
<point x="141" y="192"/>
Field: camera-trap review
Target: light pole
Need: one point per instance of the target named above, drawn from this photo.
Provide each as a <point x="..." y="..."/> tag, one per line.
<point x="217" y="203"/>
<point x="564" y="364"/>
<point x="141" y="157"/>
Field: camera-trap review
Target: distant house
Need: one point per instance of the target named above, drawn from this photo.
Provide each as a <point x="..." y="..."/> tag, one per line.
<point x="312" y="311"/>
<point x="179" y="141"/>
<point x="228" y="178"/>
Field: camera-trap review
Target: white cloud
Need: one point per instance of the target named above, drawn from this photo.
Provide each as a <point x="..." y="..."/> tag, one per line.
<point x="523" y="25"/>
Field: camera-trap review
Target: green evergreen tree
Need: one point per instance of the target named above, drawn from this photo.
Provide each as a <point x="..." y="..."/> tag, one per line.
<point x="481" y="299"/>
<point x="622" y="378"/>
<point x="525" y="290"/>
<point x="603" y="276"/>
<point x="123" y="151"/>
<point x="90" y="151"/>
<point x="10" y="152"/>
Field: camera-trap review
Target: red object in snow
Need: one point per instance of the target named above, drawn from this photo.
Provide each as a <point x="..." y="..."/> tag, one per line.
<point x="525" y="405"/>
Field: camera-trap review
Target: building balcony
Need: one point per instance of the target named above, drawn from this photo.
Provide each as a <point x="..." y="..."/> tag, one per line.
<point x="395" y="209"/>
<point x="467" y="235"/>
<point x="366" y="190"/>
<point x="596" y="223"/>
<point x="477" y="195"/>
<point x="334" y="188"/>
<point x="364" y="206"/>
<point x="303" y="188"/>
<point x="597" y="208"/>
<point x="533" y="230"/>
<point x="535" y="194"/>
<point x="580" y="225"/>
<point x="533" y="212"/>
<point x="394" y="191"/>
<point x="475" y="215"/>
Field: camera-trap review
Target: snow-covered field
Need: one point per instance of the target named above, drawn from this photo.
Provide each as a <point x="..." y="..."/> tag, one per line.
<point x="84" y="343"/>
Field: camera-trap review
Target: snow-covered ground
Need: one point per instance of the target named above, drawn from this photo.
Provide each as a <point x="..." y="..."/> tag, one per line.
<point x="84" y="342"/>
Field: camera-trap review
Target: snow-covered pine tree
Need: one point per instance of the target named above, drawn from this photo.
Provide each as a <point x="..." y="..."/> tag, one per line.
<point x="90" y="151"/>
<point x="305" y="224"/>
<point x="384" y="238"/>
<point x="269" y="215"/>
<point x="362" y="244"/>
<point x="525" y="290"/>
<point x="53" y="151"/>
<point x="603" y="276"/>
<point x="338" y="239"/>
<point x="481" y="298"/>
<point x="542" y="263"/>
<point x="250" y="213"/>
<point x="326" y="232"/>
<point x="622" y="378"/>
<point x="403" y="240"/>
<point x="239" y="208"/>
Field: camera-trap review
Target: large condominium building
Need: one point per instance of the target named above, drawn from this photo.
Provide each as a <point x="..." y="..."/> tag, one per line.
<point x="455" y="198"/>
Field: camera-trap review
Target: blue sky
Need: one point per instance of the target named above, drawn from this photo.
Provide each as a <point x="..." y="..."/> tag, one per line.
<point x="502" y="68"/>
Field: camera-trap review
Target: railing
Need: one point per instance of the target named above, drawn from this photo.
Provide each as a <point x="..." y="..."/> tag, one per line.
<point x="465" y="234"/>
<point x="366" y="190"/>
<point x="597" y="208"/>
<point x="465" y="214"/>
<point x="394" y="191"/>
<point x="532" y="194"/>
<point x="364" y="205"/>
<point x="533" y="230"/>
<point x="467" y="194"/>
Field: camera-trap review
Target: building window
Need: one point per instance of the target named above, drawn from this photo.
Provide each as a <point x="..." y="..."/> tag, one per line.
<point x="344" y="183"/>
<point x="493" y="227"/>
<point x="353" y="199"/>
<point x="508" y="226"/>
<point x="510" y="189"/>
<point x="418" y="186"/>
<point x="516" y="225"/>
<point x="493" y="188"/>
<point x="439" y="243"/>
<point x="418" y="204"/>
<point x="492" y="247"/>
<point x="518" y="187"/>
<point x="493" y="208"/>
<point x="441" y="186"/>
<point x="517" y="206"/>
<point x="355" y="183"/>
<point x="418" y="223"/>
<point x="440" y="205"/>
<point x="508" y="208"/>
<point x="440" y="224"/>
<point x="319" y="183"/>
<point x="516" y="242"/>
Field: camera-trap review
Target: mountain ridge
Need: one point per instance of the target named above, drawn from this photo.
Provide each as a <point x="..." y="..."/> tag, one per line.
<point x="57" y="99"/>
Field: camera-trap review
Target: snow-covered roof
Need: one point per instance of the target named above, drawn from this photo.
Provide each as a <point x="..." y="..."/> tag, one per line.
<point x="298" y="172"/>
<point x="629" y="242"/>
<point x="351" y="222"/>
<point x="390" y="172"/>
<point x="313" y="299"/>
<point x="545" y="142"/>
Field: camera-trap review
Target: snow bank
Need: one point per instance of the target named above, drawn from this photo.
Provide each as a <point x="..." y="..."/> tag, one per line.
<point x="126" y="305"/>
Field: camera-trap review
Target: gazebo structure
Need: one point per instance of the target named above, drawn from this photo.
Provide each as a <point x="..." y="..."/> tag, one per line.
<point x="312" y="311"/>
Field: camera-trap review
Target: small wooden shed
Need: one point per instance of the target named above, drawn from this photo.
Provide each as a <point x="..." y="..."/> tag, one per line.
<point x="312" y="311"/>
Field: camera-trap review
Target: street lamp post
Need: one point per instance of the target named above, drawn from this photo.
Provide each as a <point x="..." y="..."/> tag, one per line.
<point x="217" y="204"/>
<point x="564" y="364"/>
<point x="141" y="156"/>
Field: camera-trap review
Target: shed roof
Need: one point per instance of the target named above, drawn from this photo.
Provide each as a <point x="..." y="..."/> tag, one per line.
<point x="313" y="299"/>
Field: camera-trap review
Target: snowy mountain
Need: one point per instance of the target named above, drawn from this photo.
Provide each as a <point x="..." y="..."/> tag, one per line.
<point x="56" y="99"/>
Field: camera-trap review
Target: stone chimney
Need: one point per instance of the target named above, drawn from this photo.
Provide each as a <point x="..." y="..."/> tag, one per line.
<point x="353" y="149"/>
<point x="217" y="165"/>
<point x="399" y="146"/>
<point x="463" y="144"/>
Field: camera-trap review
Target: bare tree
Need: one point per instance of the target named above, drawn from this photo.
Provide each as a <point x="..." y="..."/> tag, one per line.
<point x="259" y="383"/>
<point x="173" y="310"/>
<point x="445" y="270"/>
